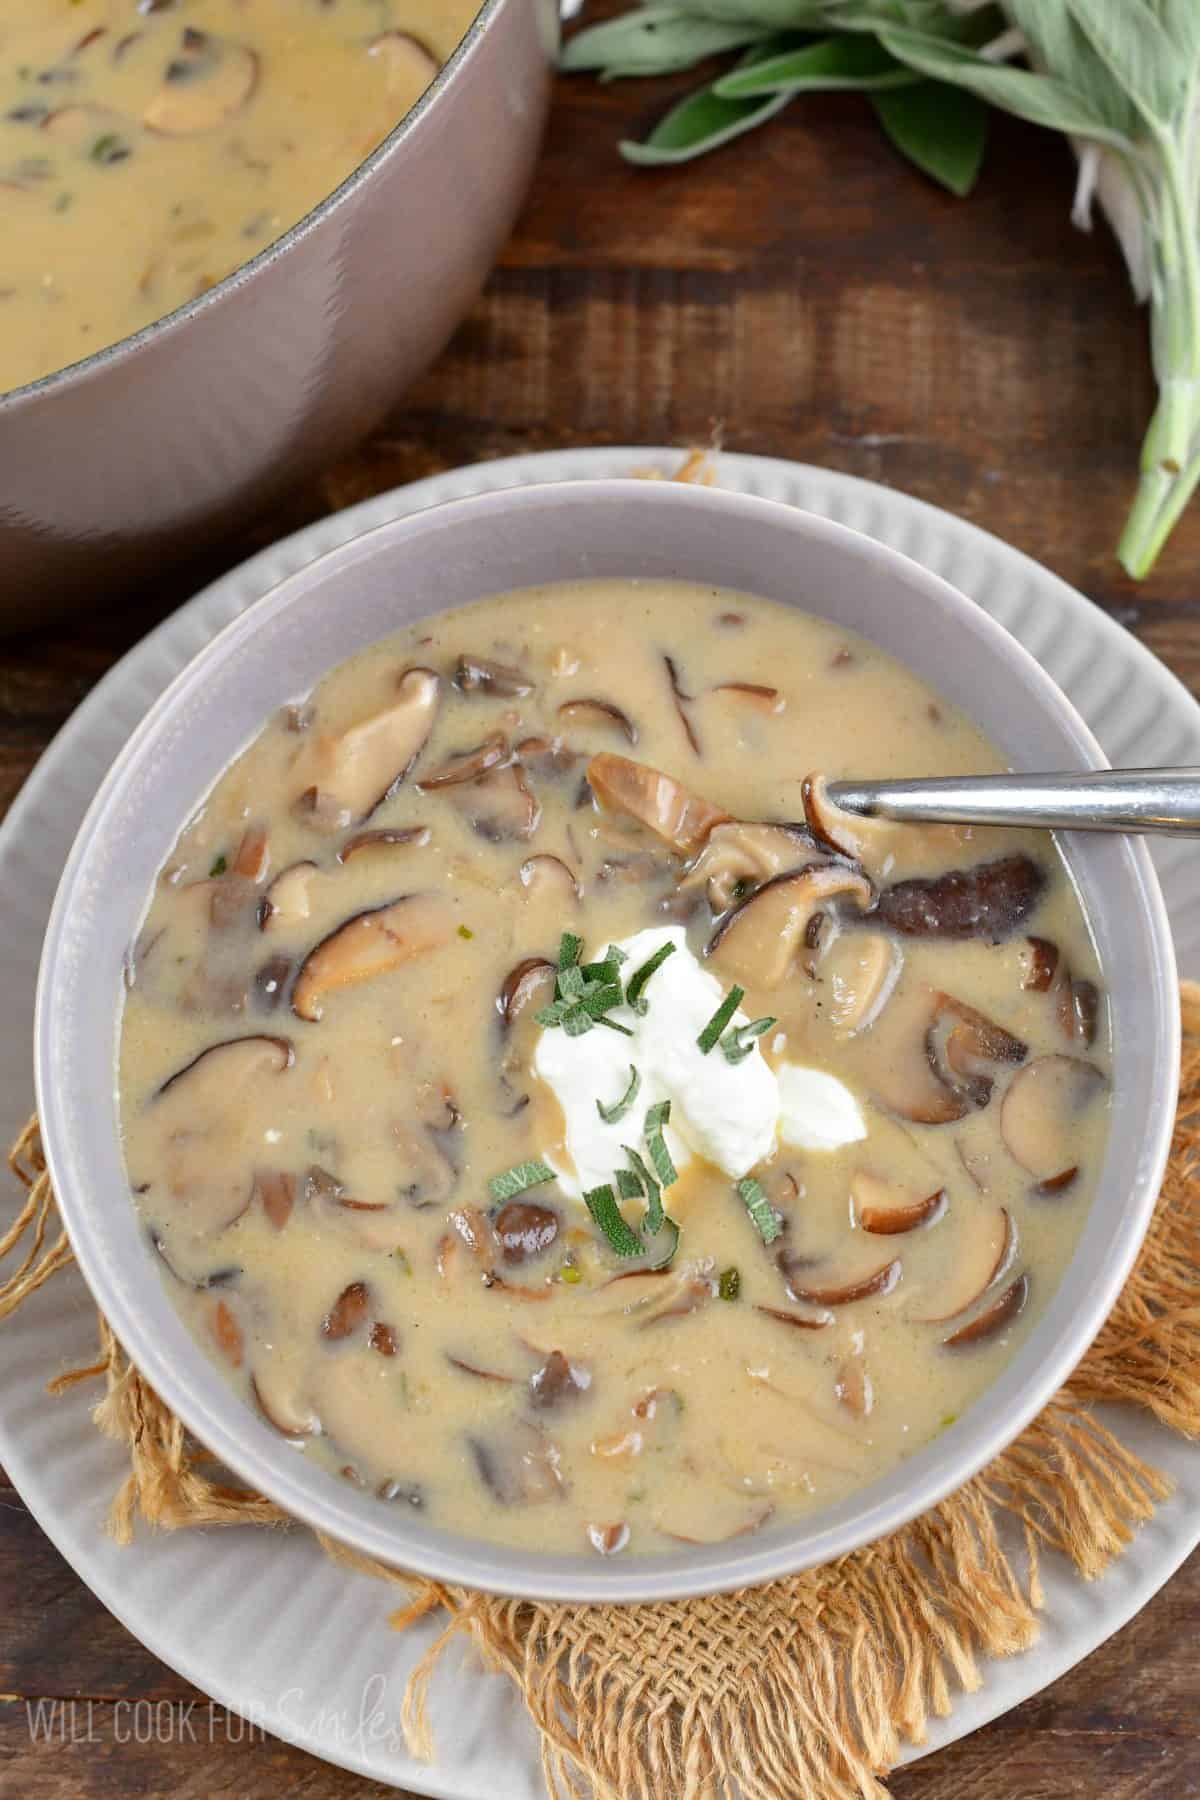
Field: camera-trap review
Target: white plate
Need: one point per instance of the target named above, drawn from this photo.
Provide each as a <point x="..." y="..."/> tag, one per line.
<point x="264" y="1623"/>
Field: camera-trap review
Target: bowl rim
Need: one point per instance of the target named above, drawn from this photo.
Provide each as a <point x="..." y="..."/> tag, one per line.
<point x="109" y="356"/>
<point x="477" y="1563"/>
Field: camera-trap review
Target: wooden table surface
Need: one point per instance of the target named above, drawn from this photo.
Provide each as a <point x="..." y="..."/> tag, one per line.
<point x="816" y="299"/>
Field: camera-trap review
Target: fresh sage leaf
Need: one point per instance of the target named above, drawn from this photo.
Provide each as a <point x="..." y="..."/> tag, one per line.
<point x="1131" y="42"/>
<point x="656" y="40"/>
<point x="835" y="64"/>
<point x="702" y="122"/>
<point x="941" y="129"/>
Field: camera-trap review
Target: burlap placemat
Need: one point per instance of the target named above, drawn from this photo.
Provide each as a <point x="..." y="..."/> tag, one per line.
<point x="807" y="1688"/>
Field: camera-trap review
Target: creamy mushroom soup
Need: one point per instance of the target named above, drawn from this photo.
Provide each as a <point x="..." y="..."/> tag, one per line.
<point x="554" y="1116"/>
<point x="149" y="147"/>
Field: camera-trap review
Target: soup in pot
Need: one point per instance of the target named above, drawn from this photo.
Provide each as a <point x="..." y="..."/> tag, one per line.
<point x="150" y="147"/>
<point x="556" y="1117"/>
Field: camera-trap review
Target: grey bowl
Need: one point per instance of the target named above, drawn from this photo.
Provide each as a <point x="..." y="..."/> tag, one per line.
<point x="183" y="431"/>
<point x="421" y="565"/>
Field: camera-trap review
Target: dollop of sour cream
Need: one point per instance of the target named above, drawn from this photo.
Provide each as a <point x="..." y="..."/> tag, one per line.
<point x="730" y="1114"/>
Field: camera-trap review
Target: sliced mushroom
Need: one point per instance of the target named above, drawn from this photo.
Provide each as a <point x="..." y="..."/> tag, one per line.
<point x="410" y="64"/>
<point x="288" y="900"/>
<point x="199" y="1131"/>
<point x="408" y="837"/>
<point x="468" y="765"/>
<point x="760" y="939"/>
<point x="801" y="1321"/>
<point x="877" y="1283"/>
<point x="370" y="944"/>
<point x="598" y="712"/>
<point x="281" y="1404"/>
<point x="649" y="1295"/>
<point x="530" y="981"/>
<point x="739" y="856"/>
<point x="209" y="80"/>
<point x="1040" y="957"/>
<point x="854" y="1389"/>
<point x="352" y="774"/>
<point x="859" y="970"/>
<point x="986" y="1247"/>
<point x="348" y="1314"/>
<point x="252" y="858"/>
<point x="772" y="1441"/>
<point x="905" y="1079"/>
<point x="479" y="675"/>
<point x="374" y="1224"/>
<point x="427" y="1176"/>
<point x="557" y="1382"/>
<point x="518" y="1464"/>
<point x="1043" y="1112"/>
<point x="549" y="878"/>
<point x="480" y="1374"/>
<point x="885" y="1210"/>
<point x="270" y="982"/>
<point x="608" y="1540"/>
<point x="498" y="806"/>
<point x="1057" y="1184"/>
<point x="659" y="802"/>
<point x="753" y="693"/>
<point x="276" y="1193"/>
<point x="525" y="1229"/>
<point x="965" y="1048"/>
<point x="682" y="702"/>
<point x="1003" y="1310"/>
<point x="696" y="1514"/>
<point x="549" y="758"/>
<point x="382" y="1339"/>
<point x="990" y="901"/>
<point x="227" y="1334"/>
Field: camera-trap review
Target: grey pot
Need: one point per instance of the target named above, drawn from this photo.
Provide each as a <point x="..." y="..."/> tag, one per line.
<point x="153" y="446"/>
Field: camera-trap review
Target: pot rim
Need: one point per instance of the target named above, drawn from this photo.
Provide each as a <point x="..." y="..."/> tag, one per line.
<point x="112" y="356"/>
<point x="1061" y="1336"/>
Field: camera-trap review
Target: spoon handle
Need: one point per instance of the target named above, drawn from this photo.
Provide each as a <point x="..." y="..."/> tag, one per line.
<point x="1136" y="800"/>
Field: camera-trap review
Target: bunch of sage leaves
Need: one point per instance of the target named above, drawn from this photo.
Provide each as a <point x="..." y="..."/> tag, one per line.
<point x="1121" y="78"/>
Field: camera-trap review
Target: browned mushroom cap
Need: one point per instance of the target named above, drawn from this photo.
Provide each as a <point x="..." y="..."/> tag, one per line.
<point x="479" y="675"/>
<point x="498" y="806"/>
<point x="985" y="1248"/>
<point x="557" y="1381"/>
<point x="859" y="970"/>
<point x="518" y="1464"/>
<point x="288" y="900"/>
<point x="525" y="1229"/>
<point x="468" y="765"/>
<point x="276" y="1193"/>
<point x="682" y="819"/>
<point x="406" y="837"/>
<point x="1003" y="1310"/>
<point x="863" y="839"/>
<point x="348" y="1313"/>
<point x="739" y="856"/>
<point x="370" y="944"/>
<point x="590" y="711"/>
<point x="990" y="901"/>
<point x="354" y="773"/>
<point x="884" y="1210"/>
<point x="879" y="1282"/>
<point x="965" y="1048"/>
<point x="531" y="980"/>
<point x="281" y="1403"/>
<point x="411" y="65"/>
<point x="1040" y="957"/>
<point x="197" y="1130"/>
<point x="207" y="81"/>
<point x="759" y="941"/>
<point x="549" y="878"/>
<point x="1045" y="1110"/>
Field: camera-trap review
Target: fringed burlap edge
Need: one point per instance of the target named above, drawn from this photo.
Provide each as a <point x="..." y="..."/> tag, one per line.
<point x="808" y="1688"/>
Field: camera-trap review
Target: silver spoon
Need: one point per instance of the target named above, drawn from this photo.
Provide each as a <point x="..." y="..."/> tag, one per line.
<point x="1137" y="800"/>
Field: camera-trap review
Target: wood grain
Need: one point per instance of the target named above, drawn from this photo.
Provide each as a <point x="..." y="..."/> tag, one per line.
<point x="811" y="297"/>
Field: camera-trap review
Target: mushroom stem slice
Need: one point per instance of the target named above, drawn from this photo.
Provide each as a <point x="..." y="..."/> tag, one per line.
<point x="760" y="940"/>
<point x="659" y="802"/>
<point x="354" y="773"/>
<point x="1003" y="1310"/>
<point x="370" y="944"/>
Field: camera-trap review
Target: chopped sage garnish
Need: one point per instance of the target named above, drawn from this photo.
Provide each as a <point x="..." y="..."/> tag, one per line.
<point x="601" y="1202"/>
<point x="517" y="1179"/>
<point x="652" y="1223"/>
<point x="720" y="1019"/>
<point x="759" y="1208"/>
<point x="637" y="981"/>
<point x="584" y="993"/>
<point x="570" y="949"/>
<point x="729" y="1284"/>
<point x="219" y="867"/>
<point x="738" y="1042"/>
<point x="618" y="1109"/>
<point x="656" y="1144"/>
